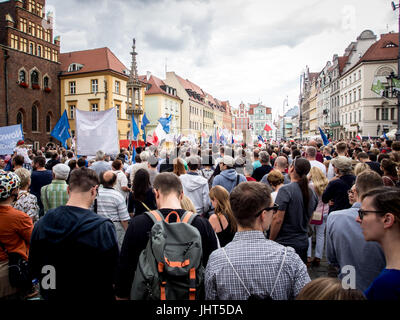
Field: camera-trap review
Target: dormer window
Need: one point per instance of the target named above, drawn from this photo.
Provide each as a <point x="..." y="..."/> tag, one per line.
<point x="74" y="67"/>
<point x="390" y="45"/>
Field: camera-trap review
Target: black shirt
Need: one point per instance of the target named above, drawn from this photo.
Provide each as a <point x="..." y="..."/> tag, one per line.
<point x="135" y="241"/>
<point x="337" y="192"/>
<point x="260" y="172"/>
<point x="137" y="205"/>
<point x="375" y="166"/>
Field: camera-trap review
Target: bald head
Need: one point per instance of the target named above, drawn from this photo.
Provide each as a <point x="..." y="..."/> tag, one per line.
<point x="313" y="143"/>
<point x="108" y="179"/>
<point x="311" y="153"/>
<point x="281" y="163"/>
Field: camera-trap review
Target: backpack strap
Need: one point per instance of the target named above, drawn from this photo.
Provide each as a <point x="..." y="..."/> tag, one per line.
<point x="237" y="179"/>
<point x="188" y="217"/>
<point x="155" y="215"/>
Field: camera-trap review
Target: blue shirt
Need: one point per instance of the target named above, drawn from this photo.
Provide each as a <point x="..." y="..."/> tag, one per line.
<point x="385" y="287"/>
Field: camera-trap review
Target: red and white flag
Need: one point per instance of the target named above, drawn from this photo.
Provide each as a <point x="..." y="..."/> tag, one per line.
<point x="359" y="137"/>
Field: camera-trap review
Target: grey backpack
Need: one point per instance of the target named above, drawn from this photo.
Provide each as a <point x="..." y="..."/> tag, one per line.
<point x="170" y="267"/>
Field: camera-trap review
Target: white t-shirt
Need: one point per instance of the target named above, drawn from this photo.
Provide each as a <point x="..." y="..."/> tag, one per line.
<point x="122" y="181"/>
<point x="319" y="165"/>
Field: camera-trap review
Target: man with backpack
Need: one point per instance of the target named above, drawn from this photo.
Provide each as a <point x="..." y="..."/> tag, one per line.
<point x="228" y="178"/>
<point x="250" y="266"/>
<point x="143" y="231"/>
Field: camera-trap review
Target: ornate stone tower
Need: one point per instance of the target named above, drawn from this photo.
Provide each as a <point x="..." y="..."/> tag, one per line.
<point x="134" y="103"/>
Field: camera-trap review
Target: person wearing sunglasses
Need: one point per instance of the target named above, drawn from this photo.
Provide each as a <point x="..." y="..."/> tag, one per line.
<point x="251" y="265"/>
<point x="345" y="243"/>
<point x="379" y="217"/>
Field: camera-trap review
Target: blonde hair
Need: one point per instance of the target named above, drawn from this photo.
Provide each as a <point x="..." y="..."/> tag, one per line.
<point x="223" y="207"/>
<point x="319" y="180"/>
<point x="325" y="288"/>
<point x="361" y="167"/>
<point x="187" y="204"/>
<point x="25" y="177"/>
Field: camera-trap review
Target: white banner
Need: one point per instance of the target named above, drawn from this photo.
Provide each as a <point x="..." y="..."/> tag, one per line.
<point x="96" y="131"/>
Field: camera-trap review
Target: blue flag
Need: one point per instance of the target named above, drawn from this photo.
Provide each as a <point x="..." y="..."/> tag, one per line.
<point x="385" y="136"/>
<point x="323" y="136"/>
<point x="133" y="154"/>
<point x="165" y="123"/>
<point x="233" y="141"/>
<point x="61" y="130"/>
<point x="145" y="122"/>
<point x="210" y="140"/>
<point x="260" y="138"/>
<point x="135" y="129"/>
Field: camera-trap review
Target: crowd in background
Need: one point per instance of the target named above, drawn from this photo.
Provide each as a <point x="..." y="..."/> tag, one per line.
<point x="266" y="214"/>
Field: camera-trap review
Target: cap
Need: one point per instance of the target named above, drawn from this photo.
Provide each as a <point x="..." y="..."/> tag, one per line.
<point x="61" y="171"/>
<point x="8" y="182"/>
<point x="228" y="161"/>
<point x="342" y="163"/>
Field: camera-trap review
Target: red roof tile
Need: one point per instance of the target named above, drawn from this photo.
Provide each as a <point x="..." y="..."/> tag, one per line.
<point x="342" y="63"/>
<point x="92" y="60"/>
<point x="155" y="87"/>
<point x="386" y="48"/>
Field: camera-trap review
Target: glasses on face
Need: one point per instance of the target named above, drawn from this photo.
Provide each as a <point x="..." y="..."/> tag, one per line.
<point x="362" y="213"/>
<point x="274" y="208"/>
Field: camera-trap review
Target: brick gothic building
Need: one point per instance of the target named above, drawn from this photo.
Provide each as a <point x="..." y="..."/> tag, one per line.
<point x="29" y="68"/>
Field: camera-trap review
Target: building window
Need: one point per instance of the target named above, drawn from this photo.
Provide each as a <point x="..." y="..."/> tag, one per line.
<point x="359" y="94"/>
<point x="46" y="82"/>
<point x="35" y="78"/>
<point x="22" y="25"/>
<point x="22" y="76"/>
<point x="20" y="119"/>
<point x="72" y="112"/>
<point x="377" y="113"/>
<point x="385" y="113"/>
<point x="72" y="87"/>
<point x="118" y="107"/>
<point x="55" y="56"/>
<point x="355" y="116"/>
<point x="95" y="107"/>
<point x="35" y="118"/>
<point x="117" y="87"/>
<point x="48" y="123"/>
<point x="392" y="114"/>
<point x="31" y="48"/>
<point x="14" y="42"/>
<point x="359" y="75"/>
<point x="95" y="86"/>
<point x="31" y="29"/>
<point x="24" y="45"/>
<point x="39" y="32"/>
<point x="359" y="115"/>
<point x="47" y="53"/>
<point x="39" y="51"/>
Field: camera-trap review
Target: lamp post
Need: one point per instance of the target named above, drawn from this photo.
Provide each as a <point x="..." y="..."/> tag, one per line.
<point x="397" y="6"/>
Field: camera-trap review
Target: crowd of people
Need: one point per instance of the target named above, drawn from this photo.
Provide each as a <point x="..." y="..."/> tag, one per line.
<point x="261" y="217"/>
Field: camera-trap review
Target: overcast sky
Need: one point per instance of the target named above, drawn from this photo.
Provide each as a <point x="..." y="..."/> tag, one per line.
<point x="237" y="50"/>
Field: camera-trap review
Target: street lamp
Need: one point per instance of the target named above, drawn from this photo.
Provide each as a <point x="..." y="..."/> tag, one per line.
<point x="396" y="6"/>
<point x="283" y="119"/>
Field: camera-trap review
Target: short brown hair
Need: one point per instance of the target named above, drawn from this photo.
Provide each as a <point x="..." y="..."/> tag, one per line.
<point x="168" y="182"/>
<point x="325" y="288"/>
<point x="396" y="145"/>
<point x="341" y="147"/>
<point x="117" y="164"/>
<point x="41" y="161"/>
<point x="247" y="199"/>
<point x="83" y="179"/>
<point x="368" y="180"/>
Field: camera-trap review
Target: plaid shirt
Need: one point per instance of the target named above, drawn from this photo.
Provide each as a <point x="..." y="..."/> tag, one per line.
<point x="257" y="261"/>
<point x="54" y="195"/>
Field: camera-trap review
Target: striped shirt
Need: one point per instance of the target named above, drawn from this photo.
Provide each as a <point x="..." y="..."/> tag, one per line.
<point x="257" y="261"/>
<point x="54" y="195"/>
<point x="111" y="205"/>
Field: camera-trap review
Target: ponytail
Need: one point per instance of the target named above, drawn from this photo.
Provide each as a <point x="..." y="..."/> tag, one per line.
<point x="305" y="191"/>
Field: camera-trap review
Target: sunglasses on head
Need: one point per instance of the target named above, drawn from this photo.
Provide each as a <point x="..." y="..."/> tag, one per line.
<point x="274" y="208"/>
